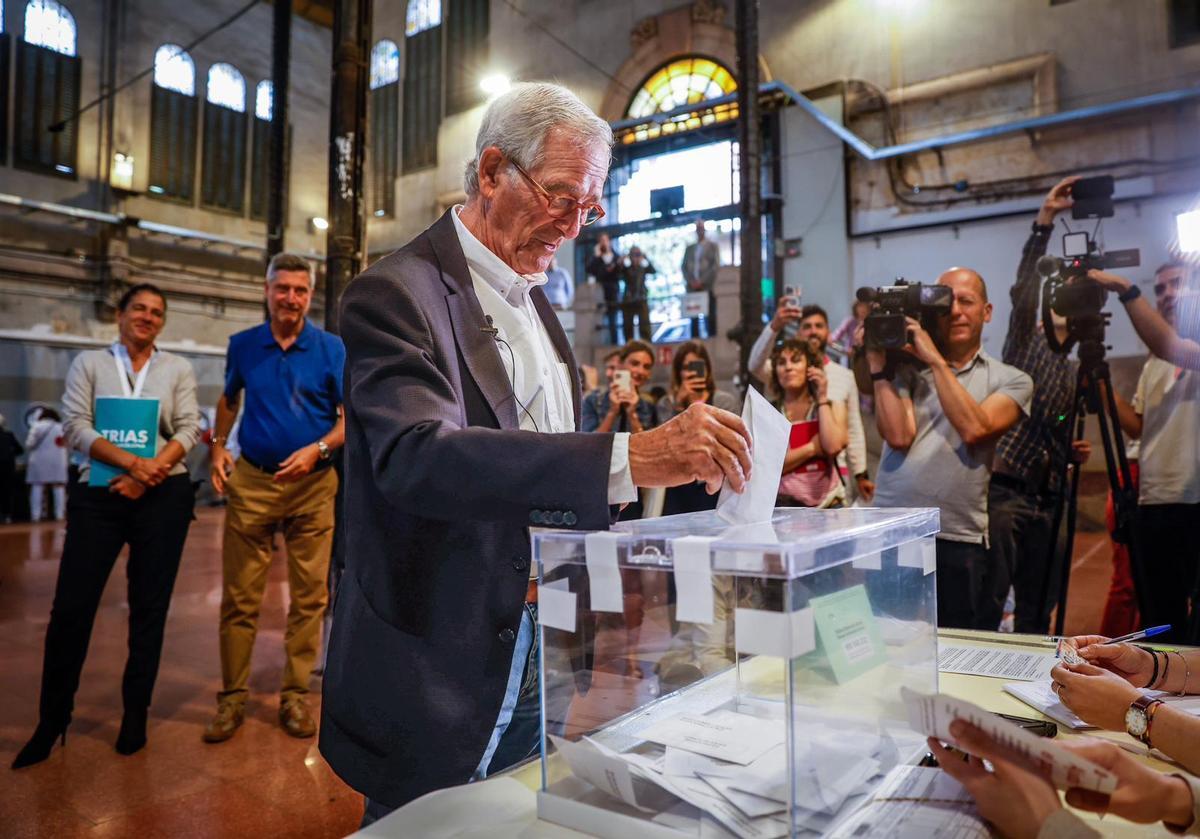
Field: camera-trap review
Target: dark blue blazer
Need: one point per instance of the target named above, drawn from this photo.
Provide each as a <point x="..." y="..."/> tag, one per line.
<point x="440" y="489"/>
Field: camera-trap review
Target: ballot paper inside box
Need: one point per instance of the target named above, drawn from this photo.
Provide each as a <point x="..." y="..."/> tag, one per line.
<point x="702" y="679"/>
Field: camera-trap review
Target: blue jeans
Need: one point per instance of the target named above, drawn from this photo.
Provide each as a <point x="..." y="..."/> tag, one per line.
<point x="516" y="733"/>
<point x="521" y="694"/>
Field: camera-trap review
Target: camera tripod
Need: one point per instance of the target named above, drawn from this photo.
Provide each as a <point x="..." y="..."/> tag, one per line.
<point x="1090" y="397"/>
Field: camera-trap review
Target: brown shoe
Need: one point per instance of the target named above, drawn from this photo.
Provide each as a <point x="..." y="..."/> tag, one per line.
<point x="296" y="719"/>
<point x="229" y="717"/>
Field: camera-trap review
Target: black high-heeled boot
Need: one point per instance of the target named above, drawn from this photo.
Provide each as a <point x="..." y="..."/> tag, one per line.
<point x="39" y="745"/>
<point x="133" y="732"/>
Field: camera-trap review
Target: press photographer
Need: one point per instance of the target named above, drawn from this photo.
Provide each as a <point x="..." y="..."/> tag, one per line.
<point x="1026" y="477"/>
<point x="1174" y="339"/>
<point x="1165" y="416"/>
<point x="940" y="423"/>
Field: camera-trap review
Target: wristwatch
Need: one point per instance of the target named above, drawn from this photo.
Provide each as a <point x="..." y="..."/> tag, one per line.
<point x="1129" y="295"/>
<point x="324" y="450"/>
<point x="1140" y="716"/>
<point x="881" y="376"/>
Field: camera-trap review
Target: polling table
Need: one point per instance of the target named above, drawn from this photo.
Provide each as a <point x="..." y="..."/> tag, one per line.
<point x="768" y="679"/>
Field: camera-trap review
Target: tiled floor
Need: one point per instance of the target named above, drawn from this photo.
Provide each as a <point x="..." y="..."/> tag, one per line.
<point x="262" y="783"/>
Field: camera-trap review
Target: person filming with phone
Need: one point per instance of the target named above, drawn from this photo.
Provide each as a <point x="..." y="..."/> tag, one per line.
<point x="621" y="408"/>
<point x="810" y="476"/>
<point x="691" y="383"/>
<point x="940" y="422"/>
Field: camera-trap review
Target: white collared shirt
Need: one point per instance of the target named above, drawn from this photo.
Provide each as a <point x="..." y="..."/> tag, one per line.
<point x="539" y="377"/>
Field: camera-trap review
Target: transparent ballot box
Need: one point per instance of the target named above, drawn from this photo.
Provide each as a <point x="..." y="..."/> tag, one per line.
<point x="703" y="679"/>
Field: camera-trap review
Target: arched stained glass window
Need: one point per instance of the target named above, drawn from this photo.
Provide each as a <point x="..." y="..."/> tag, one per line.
<point x="226" y="87"/>
<point x="422" y="15"/>
<point x="174" y="69"/>
<point x="385" y="64"/>
<point x="49" y="24"/>
<point x="264" y="100"/>
<point x="685" y="81"/>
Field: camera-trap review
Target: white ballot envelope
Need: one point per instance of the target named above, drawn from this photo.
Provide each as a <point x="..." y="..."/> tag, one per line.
<point x="932" y="715"/>
<point x="770" y="431"/>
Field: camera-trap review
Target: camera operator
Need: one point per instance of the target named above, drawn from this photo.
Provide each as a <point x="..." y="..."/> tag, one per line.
<point x="813" y="325"/>
<point x="1158" y="331"/>
<point x="1027" y="471"/>
<point x="1165" y="417"/>
<point x="940" y="424"/>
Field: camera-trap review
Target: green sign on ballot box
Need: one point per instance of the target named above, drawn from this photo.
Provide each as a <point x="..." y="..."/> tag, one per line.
<point x="848" y="633"/>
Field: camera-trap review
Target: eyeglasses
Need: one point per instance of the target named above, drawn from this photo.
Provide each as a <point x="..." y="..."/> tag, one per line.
<point x="561" y="206"/>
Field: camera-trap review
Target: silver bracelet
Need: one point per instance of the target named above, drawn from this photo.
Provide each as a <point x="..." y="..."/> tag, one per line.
<point x="1187" y="673"/>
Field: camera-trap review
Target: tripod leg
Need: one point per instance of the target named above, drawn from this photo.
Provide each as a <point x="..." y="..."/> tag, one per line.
<point x="1121" y="481"/>
<point x="1060" y="504"/>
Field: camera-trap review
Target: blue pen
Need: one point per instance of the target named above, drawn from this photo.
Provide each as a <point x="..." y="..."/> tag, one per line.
<point x="1144" y="633"/>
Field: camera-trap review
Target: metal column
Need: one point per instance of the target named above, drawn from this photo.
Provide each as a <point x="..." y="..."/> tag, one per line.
<point x="346" y="241"/>
<point x="750" y="157"/>
<point x="277" y="195"/>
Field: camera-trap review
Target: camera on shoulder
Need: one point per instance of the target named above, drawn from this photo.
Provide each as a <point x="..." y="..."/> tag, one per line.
<point x="886" y="327"/>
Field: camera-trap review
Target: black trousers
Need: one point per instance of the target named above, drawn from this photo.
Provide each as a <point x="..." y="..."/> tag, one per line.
<point x="1169" y="555"/>
<point x="961" y="576"/>
<point x="641" y="310"/>
<point x="612" y="306"/>
<point x="1019" y="528"/>
<point x="99" y="525"/>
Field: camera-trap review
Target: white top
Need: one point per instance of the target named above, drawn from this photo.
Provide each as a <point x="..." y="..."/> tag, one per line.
<point x="1168" y="399"/>
<point x="540" y="379"/>
<point x="47" y="462"/>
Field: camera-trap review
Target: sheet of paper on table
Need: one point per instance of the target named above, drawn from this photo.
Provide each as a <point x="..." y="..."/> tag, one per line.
<point x="1041" y="696"/>
<point x="932" y="715"/>
<point x="1002" y="664"/>
<point x="914" y="803"/>
<point x="770" y="431"/>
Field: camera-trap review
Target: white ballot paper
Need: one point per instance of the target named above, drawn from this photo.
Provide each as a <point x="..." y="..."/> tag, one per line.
<point x="932" y="715"/>
<point x="604" y="576"/>
<point x="770" y="431"/>
<point x="600" y="767"/>
<point x="556" y="605"/>
<point x="725" y="735"/>
<point x="1004" y="664"/>
<point x="693" y="579"/>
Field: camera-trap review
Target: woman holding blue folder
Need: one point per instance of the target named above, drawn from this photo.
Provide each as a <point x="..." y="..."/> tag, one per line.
<point x="132" y="409"/>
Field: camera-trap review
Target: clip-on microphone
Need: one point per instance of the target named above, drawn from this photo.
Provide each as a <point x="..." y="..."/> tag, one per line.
<point x="489" y="329"/>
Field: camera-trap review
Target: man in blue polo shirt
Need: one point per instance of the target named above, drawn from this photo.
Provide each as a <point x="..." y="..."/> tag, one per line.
<point x="291" y="373"/>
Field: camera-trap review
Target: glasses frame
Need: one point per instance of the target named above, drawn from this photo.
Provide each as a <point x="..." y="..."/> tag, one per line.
<point x="550" y="198"/>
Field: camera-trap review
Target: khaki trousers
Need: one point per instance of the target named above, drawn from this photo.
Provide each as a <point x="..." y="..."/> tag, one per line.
<point x="257" y="505"/>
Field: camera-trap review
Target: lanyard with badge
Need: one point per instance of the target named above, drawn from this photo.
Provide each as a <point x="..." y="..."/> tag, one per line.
<point x="129" y="421"/>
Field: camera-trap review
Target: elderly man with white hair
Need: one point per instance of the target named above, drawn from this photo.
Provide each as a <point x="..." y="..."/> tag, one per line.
<point x="462" y="404"/>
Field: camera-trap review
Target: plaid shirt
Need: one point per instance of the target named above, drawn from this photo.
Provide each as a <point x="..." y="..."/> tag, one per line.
<point x="1036" y="448"/>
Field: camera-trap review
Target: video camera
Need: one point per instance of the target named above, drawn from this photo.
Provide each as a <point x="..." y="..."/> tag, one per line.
<point x="1068" y="291"/>
<point x="886" y="327"/>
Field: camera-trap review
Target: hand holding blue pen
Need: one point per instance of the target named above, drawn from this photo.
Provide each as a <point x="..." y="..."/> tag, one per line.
<point x="1140" y="634"/>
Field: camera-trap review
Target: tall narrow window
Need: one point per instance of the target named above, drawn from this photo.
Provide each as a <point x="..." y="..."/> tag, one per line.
<point x="466" y="41"/>
<point x="260" y="151"/>
<point x="385" y="117"/>
<point x="422" y="84"/>
<point x="223" y="176"/>
<point x="173" y="110"/>
<point x="47" y="90"/>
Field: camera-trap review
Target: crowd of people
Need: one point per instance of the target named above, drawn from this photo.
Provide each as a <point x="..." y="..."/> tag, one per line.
<point x="454" y="364"/>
